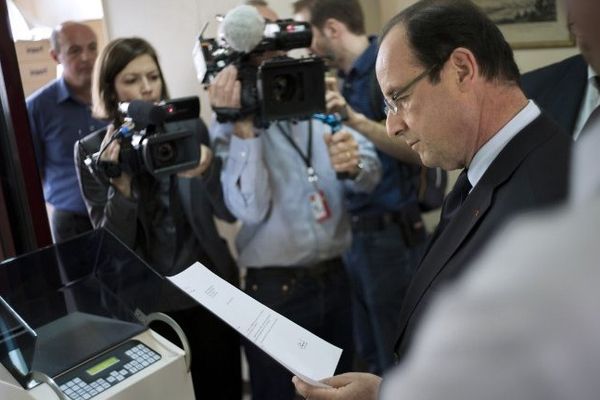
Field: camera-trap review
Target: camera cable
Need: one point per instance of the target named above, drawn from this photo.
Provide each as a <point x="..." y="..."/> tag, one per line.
<point x="114" y="137"/>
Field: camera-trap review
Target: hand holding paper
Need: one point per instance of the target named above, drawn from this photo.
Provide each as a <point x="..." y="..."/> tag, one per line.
<point x="349" y="386"/>
<point x="301" y="352"/>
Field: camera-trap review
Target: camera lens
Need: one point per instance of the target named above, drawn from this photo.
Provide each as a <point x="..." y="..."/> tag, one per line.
<point x="165" y="154"/>
<point x="284" y="87"/>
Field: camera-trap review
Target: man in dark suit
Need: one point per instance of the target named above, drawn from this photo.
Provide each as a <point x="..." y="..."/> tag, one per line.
<point x="568" y="90"/>
<point x="558" y="89"/>
<point x="451" y="86"/>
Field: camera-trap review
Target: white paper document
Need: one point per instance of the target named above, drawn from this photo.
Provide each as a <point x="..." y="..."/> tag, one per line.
<point x="304" y="354"/>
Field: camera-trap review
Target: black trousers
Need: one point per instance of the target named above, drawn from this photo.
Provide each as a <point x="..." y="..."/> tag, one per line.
<point x="66" y="224"/>
<point x="316" y="297"/>
<point x="215" y="347"/>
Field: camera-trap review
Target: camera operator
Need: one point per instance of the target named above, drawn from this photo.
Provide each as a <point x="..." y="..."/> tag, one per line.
<point x="168" y="221"/>
<point x="281" y="183"/>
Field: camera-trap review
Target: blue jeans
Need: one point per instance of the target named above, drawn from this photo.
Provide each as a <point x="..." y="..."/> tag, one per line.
<point x="316" y="298"/>
<point x="380" y="266"/>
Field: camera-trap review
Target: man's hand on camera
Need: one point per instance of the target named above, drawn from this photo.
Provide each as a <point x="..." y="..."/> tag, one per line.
<point x="206" y="157"/>
<point x="225" y="93"/>
<point x="225" y="90"/>
<point x="343" y="152"/>
<point x="111" y="154"/>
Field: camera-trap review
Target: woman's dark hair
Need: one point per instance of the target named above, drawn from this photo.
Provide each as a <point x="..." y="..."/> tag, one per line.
<point x="434" y="28"/>
<point x="111" y="61"/>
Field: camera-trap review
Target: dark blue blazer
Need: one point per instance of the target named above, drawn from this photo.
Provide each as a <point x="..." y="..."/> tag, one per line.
<point x="529" y="173"/>
<point x="559" y="89"/>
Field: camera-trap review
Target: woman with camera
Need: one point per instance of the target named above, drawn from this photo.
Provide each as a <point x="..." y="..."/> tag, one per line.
<point x="168" y="221"/>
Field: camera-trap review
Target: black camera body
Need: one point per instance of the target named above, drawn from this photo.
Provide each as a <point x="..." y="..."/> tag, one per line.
<point x="148" y="144"/>
<point x="279" y="88"/>
<point x="291" y="88"/>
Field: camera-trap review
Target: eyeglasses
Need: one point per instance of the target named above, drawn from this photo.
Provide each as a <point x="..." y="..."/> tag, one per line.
<point x="391" y="104"/>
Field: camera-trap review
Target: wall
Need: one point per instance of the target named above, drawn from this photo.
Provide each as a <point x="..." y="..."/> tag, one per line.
<point x="530" y="59"/>
<point x="173" y="27"/>
<point x="52" y="12"/>
<point x="372" y="11"/>
<point x="527" y="59"/>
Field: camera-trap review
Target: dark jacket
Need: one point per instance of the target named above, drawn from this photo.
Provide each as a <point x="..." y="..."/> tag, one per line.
<point x="201" y="200"/>
<point x="559" y="89"/>
<point x="529" y="173"/>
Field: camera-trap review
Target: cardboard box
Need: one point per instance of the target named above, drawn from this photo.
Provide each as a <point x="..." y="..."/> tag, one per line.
<point x="33" y="50"/>
<point x="36" y="74"/>
<point x="37" y="70"/>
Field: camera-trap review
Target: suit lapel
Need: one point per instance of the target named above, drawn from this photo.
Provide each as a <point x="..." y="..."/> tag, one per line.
<point x="474" y="209"/>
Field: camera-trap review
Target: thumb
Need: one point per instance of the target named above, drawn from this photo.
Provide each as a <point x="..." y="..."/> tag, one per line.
<point x="307" y="390"/>
<point x="301" y="387"/>
<point x="338" y="380"/>
<point x="331" y="83"/>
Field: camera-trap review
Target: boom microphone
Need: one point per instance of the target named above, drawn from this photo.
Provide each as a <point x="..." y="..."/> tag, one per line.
<point x="144" y="113"/>
<point x="242" y="28"/>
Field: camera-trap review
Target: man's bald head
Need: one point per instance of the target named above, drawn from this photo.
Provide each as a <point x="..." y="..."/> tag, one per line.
<point x="74" y="45"/>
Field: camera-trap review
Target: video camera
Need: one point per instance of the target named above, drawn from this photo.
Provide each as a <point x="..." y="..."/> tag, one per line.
<point x="146" y="143"/>
<point x="279" y="88"/>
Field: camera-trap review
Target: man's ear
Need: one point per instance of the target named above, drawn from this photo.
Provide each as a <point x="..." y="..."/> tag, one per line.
<point x="54" y="55"/>
<point x="332" y="28"/>
<point x="464" y="65"/>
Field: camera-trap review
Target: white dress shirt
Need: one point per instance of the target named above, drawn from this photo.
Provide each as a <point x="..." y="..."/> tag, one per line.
<point x="590" y="101"/>
<point x="489" y="151"/>
<point x="265" y="185"/>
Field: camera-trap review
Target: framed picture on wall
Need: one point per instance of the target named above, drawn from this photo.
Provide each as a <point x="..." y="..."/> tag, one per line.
<point x="530" y="24"/>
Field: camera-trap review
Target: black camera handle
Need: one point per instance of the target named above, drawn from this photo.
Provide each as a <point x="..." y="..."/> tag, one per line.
<point x="109" y="168"/>
<point x="93" y="161"/>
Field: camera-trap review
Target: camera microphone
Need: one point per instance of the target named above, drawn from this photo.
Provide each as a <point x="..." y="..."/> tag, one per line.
<point x="144" y="113"/>
<point x="242" y="28"/>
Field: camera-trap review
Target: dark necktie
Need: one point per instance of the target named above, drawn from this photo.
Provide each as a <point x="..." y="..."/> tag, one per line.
<point x="455" y="199"/>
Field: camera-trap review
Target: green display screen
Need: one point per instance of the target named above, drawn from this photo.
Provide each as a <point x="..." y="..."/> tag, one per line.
<point x="102" y="366"/>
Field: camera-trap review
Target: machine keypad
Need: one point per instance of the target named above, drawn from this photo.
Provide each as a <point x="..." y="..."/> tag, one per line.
<point x="116" y="366"/>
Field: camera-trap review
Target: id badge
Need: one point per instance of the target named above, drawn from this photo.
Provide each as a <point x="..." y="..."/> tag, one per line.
<point x="319" y="207"/>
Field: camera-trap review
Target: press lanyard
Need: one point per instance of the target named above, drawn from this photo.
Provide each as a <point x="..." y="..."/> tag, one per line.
<point x="312" y="176"/>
